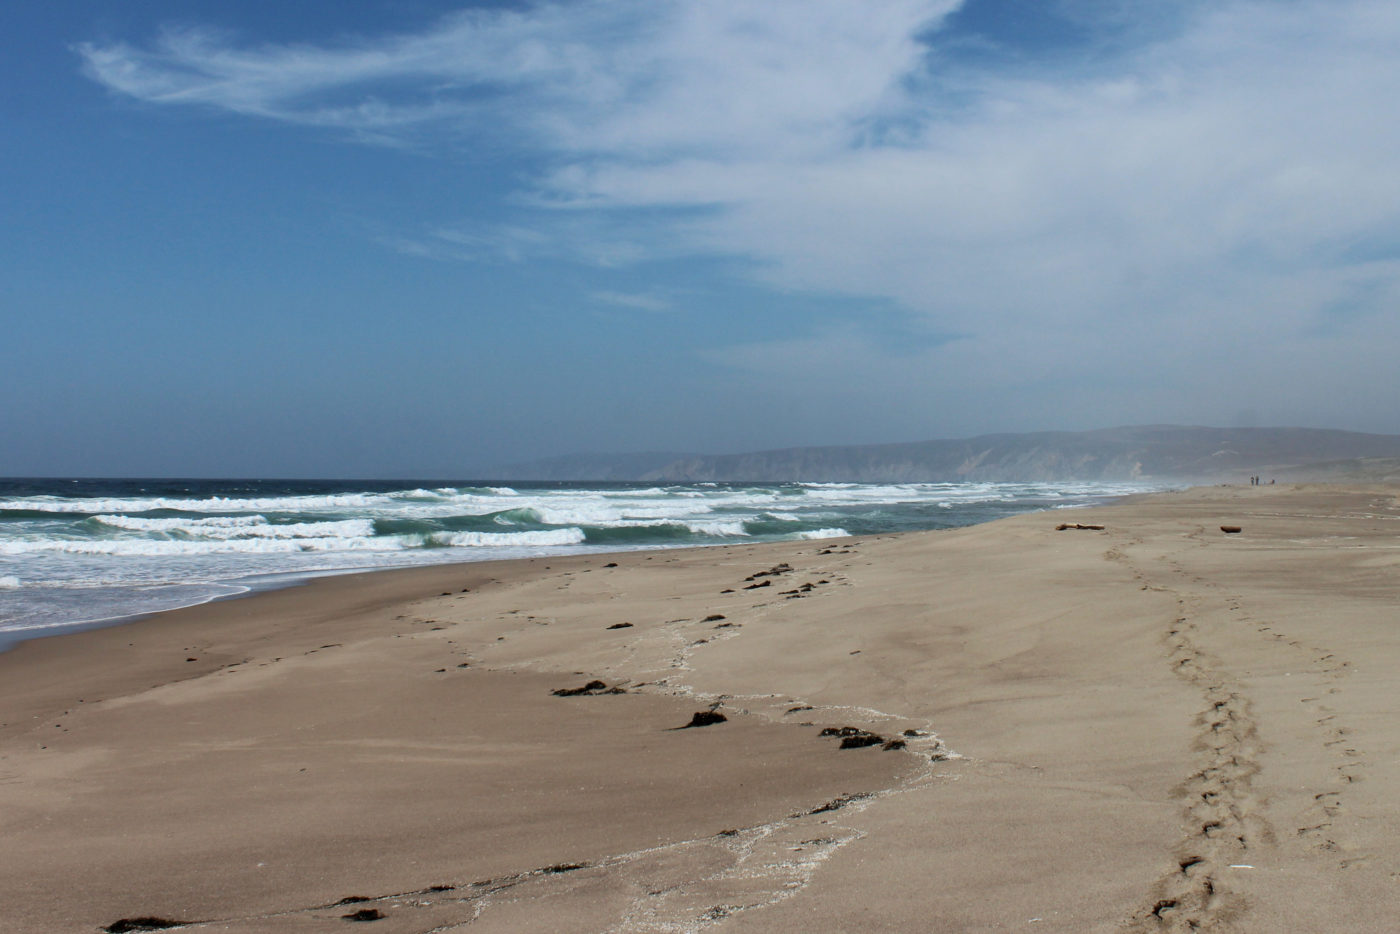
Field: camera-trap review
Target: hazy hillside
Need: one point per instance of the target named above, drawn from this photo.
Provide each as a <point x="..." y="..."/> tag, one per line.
<point x="1356" y="470"/>
<point x="1158" y="452"/>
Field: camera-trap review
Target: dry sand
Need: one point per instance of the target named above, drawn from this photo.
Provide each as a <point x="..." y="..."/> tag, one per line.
<point x="1156" y="726"/>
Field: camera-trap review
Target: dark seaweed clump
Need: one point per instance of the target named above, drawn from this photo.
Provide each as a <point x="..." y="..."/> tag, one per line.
<point x="143" y="923"/>
<point x="364" y="914"/>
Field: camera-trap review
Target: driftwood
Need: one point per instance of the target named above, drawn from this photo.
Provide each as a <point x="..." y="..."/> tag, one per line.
<point x="1075" y="525"/>
<point x="1230" y="529"/>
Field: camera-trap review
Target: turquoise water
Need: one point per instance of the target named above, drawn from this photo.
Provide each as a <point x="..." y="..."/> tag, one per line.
<point x="74" y="551"/>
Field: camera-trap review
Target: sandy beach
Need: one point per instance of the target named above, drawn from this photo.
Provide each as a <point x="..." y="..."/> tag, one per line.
<point x="1153" y="726"/>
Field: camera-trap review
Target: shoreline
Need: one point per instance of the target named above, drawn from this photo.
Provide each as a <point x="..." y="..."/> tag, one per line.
<point x="249" y="763"/>
<point x="254" y="584"/>
<point x="105" y="568"/>
<point x="267" y="583"/>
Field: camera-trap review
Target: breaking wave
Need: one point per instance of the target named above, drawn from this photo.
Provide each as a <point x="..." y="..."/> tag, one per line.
<point x="96" y="549"/>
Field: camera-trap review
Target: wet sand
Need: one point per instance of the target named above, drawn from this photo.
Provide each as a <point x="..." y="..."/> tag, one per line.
<point x="1155" y="726"/>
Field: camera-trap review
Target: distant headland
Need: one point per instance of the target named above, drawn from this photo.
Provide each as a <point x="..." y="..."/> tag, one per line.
<point x="1148" y="453"/>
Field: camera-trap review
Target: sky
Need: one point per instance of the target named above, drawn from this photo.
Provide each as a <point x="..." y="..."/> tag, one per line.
<point x="412" y="238"/>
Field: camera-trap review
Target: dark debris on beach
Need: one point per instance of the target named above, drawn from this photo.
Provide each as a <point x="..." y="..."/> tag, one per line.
<point x="591" y="688"/>
<point x="856" y="738"/>
<point x="143" y="923"/>
<point x="364" y="914"/>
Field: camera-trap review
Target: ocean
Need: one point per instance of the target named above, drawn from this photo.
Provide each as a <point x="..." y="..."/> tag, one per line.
<point x="74" y="552"/>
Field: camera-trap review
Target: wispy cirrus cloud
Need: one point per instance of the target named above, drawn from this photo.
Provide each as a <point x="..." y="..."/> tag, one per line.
<point x="602" y="239"/>
<point x="655" y="78"/>
<point x="1219" y="190"/>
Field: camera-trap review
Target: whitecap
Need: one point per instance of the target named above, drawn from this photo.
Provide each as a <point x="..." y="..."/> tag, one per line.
<point x="137" y="523"/>
<point x="823" y="533"/>
<point x="542" y="538"/>
<point x="731" y="529"/>
<point x="171" y="547"/>
<point x="222" y="528"/>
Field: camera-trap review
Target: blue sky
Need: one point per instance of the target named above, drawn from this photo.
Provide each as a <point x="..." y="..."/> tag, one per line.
<point x="408" y="237"/>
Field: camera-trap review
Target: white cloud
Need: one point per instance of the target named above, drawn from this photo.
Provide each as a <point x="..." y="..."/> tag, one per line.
<point x="655" y="77"/>
<point x="1228" y="191"/>
<point x="594" y="239"/>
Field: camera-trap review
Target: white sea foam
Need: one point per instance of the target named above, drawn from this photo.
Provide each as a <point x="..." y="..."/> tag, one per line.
<point x="292" y="543"/>
<point x="232" y="527"/>
<point x="543" y="538"/>
<point x="210" y="504"/>
<point x="431" y="495"/>
<point x="601" y="513"/>
<point x="407" y="502"/>
<point x="167" y="525"/>
<point x="823" y="533"/>
<point x="171" y="547"/>
<point x="718" y="527"/>
<point x="9" y="582"/>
